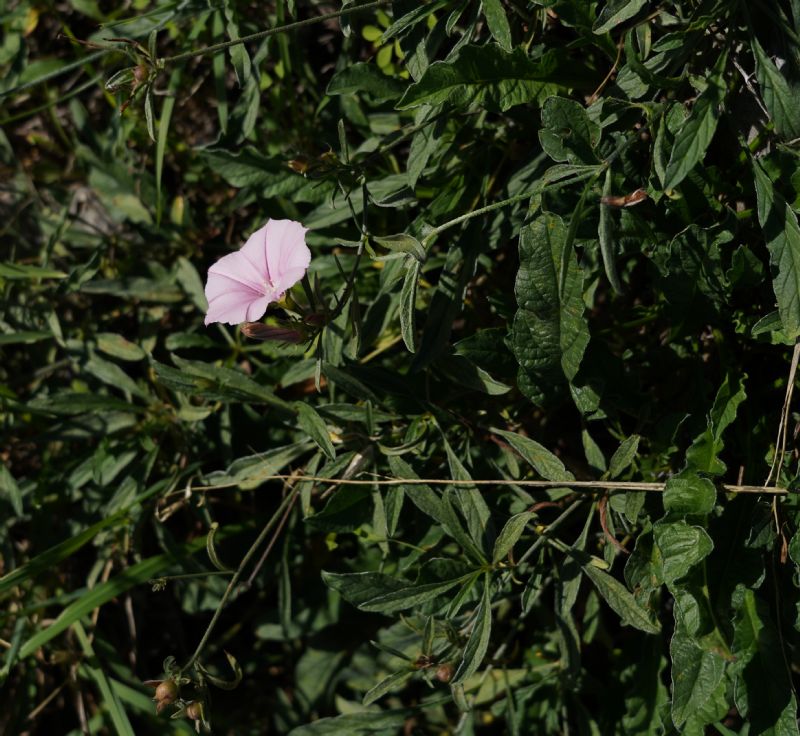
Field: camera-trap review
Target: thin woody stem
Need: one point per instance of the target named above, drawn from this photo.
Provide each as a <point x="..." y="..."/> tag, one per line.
<point x="236" y="576"/>
<point x="271" y="32"/>
<point x="499" y="205"/>
<point x="589" y="486"/>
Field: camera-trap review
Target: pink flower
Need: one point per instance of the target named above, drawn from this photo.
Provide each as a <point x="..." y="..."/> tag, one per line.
<point x="242" y="284"/>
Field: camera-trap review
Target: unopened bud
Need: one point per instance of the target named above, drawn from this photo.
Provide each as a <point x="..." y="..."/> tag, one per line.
<point x="258" y="331"/>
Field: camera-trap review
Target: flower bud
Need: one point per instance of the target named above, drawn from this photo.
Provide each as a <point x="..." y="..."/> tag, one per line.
<point x="258" y="331"/>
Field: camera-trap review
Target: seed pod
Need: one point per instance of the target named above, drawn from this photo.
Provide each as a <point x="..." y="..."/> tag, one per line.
<point x="194" y="710"/>
<point x="444" y="672"/>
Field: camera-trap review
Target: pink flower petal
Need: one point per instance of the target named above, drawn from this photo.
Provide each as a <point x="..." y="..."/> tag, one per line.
<point x="235" y="268"/>
<point x="241" y="285"/>
<point x="235" y="307"/>
<point x="288" y="255"/>
<point x="255" y="252"/>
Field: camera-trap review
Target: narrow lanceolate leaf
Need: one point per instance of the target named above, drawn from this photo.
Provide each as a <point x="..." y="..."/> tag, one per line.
<point x="497" y="20"/>
<point x="605" y="233"/>
<point x="694" y="137"/>
<point x="616" y="12"/>
<point x="544" y="462"/>
<point x="111" y="700"/>
<point x="478" y="642"/>
<point x="414" y="595"/>
<point x="780" y="99"/>
<point x="9" y="490"/>
<point x="549" y="334"/>
<point x="489" y="77"/>
<point x="392" y="682"/>
<point x="621" y="600"/>
<point x="314" y="426"/>
<point x="782" y="233"/>
<point x="48" y="559"/>
<point x="149" y="115"/>
<point x="101" y="594"/>
<point x="623" y="456"/>
<point x="510" y="534"/>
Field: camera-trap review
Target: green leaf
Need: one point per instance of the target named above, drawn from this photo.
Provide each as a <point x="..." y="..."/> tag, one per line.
<point x="102" y="593"/>
<point x="163" y="129"/>
<point x="149" y="115"/>
<point x="238" y="52"/>
<point x="215" y="382"/>
<point x="763" y="688"/>
<point x="696" y="674"/>
<point x="623" y="456"/>
<point x="497" y="20"/>
<point x="25" y="337"/>
<point x="401" y="243"/>
<point x="689" y="494"/>
<point x="119" y="347"/>
<point x="314" y="426"/>
<point x="509" y="535"/>
<point x="702" y="455"/>
<point x="616" y="12"/>
<point x="50" y="558"/>
<point x="249" y="472"/>
<point x="782" y="233"/>
<point x="408" y="304"/>
<point x="694" y="137"/>
<point x="621" y="601"/>
<point x="410" y="596"/>
<point x="392" y="682"/>
<point x="478" y="642"/>
<point x="779" y="98"/>
<point x="543" y="461"/>
<point x="10" y="491"/>
<point x="17" y="271"/>
<point x="567" y="133"/>
<point x="549" y="334"/>
<point x="469" y="376"/>
<point x="430" y="503"/>
<point x="112" y="702"/>
<point x="681" y="546"/>
<point x="355" y="724"/>
<point x="362" y="77"/>
<point x="486" y="76"/>
<point x="359" y="587"/>
<point x="605" y="234"/>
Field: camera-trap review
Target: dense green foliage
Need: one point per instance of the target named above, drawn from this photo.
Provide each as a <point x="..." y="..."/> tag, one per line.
<point x="552" y="240"/>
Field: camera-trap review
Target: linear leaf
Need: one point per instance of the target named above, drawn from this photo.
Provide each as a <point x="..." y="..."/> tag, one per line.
<point x="478" y="642"/>
<point x="782" y="233"/>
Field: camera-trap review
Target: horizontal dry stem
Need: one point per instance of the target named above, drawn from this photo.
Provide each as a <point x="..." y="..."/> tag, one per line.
<point x="577" y="485"/>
